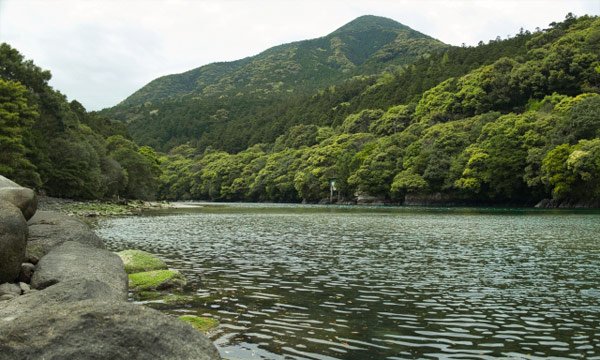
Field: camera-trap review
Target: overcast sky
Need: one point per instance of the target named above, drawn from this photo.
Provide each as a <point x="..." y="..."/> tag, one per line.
<point x="101" y="51"/>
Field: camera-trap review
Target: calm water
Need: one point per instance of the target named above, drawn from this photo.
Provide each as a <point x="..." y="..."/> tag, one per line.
<point x="301" y="282"/>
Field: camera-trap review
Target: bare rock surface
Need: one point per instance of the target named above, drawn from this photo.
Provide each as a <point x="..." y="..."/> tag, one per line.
<point x="63" y="293"/>
<point x="76" y="307"/>
<point x="73" y="261"/>
<point x="93" y="329"/>
<point x="6" y="182"/>
<point x="25" y="288"/>
<point x="48" y="229"/>
<point x="10" y="289"/>
<point x="13" y="241"/>
<point x="23" y="198"/>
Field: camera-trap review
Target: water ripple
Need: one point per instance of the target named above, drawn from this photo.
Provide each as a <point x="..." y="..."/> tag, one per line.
<point x="316" y="283"/>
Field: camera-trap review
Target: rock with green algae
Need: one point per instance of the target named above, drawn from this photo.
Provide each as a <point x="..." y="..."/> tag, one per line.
<point x="201" y="323"/>
<point x="147" y="295"/>
<point x="160" y="297"/>
<point x="136" y="261"/>
<point x="156" y="280"/>
<point x="177" y="299"/>
<point x="96" y="329"/>
<point x="165" y="301"/>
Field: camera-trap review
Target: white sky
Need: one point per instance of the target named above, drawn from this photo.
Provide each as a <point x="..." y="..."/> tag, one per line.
<point x="101" y="51"/>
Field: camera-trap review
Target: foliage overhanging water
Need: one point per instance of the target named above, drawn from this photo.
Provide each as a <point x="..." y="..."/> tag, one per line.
<point x="307" y="282"/>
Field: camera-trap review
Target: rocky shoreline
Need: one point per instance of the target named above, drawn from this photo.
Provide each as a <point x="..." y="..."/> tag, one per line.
<point x="64" y="296"/>
<point x="96" y="208"/>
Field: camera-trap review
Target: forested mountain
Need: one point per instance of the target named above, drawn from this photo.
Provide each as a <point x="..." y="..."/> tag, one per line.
<point x="56" y="147"/>
<point x="232" y="105"/>
<point x="511" y="121"/>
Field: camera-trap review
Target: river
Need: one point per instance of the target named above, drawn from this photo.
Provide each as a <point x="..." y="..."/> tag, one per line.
<point x="325" y="282"/>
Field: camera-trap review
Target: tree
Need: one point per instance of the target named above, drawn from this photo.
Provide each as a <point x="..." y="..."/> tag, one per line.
<point x="16" y="118"/>
<point x="582" y="118"/>
<point x="572" y="172"/>
<point x="496" y="162"/>
<point x="56" y="146"/>
<point x="79" y="172"/>
<point x="407" y="182"/>
<point x="13" y="66"/>
<point x="140" y="165"/>
<point x="438" y="104"/>
<point x="393" y="121"/>
<point x="274" y="180"/>
<point x="376" y="163"/>
<point x="361" y="122"/>
<point x="556" y="174"/>
<point x="297" y="136"/>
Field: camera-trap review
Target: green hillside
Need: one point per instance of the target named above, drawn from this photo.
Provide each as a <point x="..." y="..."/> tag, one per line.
<point x="512" y="121"/>
<point x="224" y="105"/>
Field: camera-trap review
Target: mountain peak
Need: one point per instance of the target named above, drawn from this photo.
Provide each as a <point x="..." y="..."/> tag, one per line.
<point x="365" y="46"/>
<point x="370" y="22"/>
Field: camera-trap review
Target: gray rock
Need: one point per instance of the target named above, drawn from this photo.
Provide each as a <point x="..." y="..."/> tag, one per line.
<point x="5" y="182"/>
<point x="13" y="241"/>
<point x="26" y="273"/>
<point x="48" y="229"/>
<point x="94" y="329"/>
<point x="6" y="297"/>
<point x="62" y="293"/>
<point x="23" y="198"/>
<point x="10" y="289"/>
<point x="568" y="204"/>
<point x="544" y="203"/>
<point x="79" y="289"/>
<point x="30" y="258"/>
<point x="366" y="199"/>
<point x="72" y="260"/>
<point x="24" y="288"/>
<point x="434" y="199"/>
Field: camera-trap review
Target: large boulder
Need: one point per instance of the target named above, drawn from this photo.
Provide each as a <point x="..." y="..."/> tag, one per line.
<point x="65" y="292"/>
<point x="6" y="182"/>
<point x="13" y="241"/>
<point x="75" y="261"/>
<point x="10" y="289"/>
<point x="23" y="198"/>
<point x="92" y="329"/>
<point x="77" y="309"/>
<point x="48" y="229"/>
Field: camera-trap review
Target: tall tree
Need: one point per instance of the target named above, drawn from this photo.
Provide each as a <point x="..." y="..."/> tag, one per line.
<point x="17" y="116"/>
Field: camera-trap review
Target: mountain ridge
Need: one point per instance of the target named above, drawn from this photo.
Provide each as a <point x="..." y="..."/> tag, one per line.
<point x="510" y="122"/>
<point x="296" y="66"/>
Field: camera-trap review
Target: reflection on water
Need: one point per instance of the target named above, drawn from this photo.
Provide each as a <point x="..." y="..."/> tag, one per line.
<point x="325" y="283"/>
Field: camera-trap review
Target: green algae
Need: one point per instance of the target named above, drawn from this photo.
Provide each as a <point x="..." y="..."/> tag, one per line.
<point x="136" y="261"/>
<point x="200" y="323"/>
<point x="156" y="280"/>
<point x="148" y="295"/>
<point x="177" y="299"/>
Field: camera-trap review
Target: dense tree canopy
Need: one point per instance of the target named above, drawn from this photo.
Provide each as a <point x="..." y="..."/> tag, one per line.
<point x="17" y="116"/>
<point x="516" y="129"/>
<point x="57" y="147"/>
<point x="511" y="121"/>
